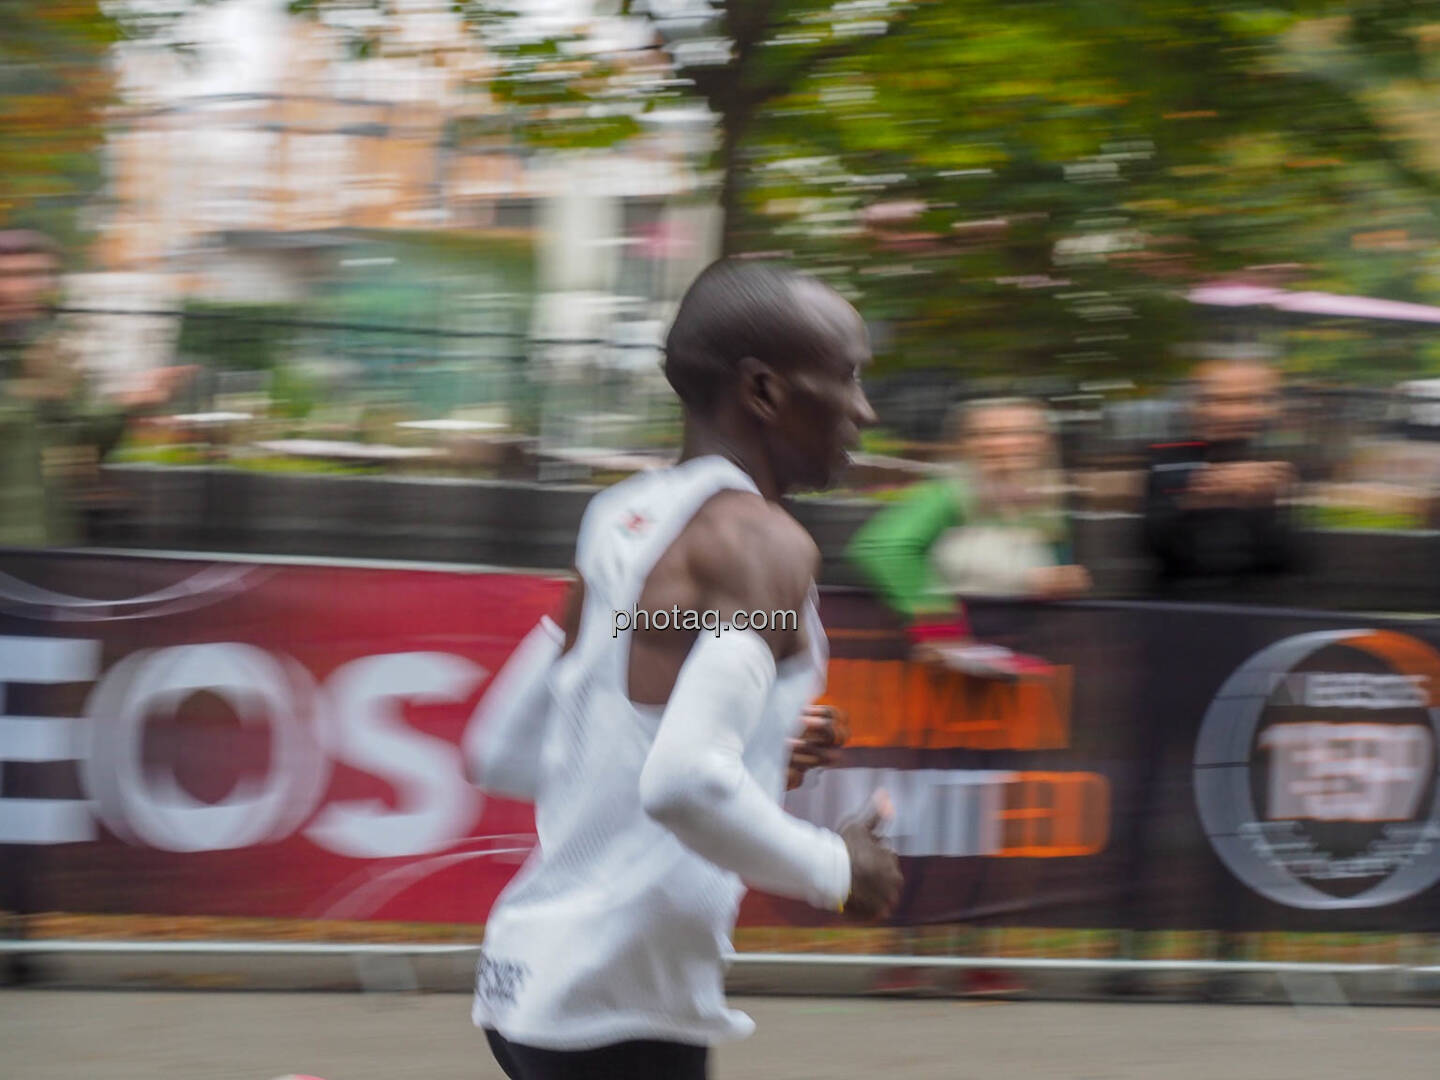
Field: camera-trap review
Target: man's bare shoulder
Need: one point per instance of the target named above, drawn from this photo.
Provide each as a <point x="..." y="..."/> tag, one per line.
<point x="745" y="551"/>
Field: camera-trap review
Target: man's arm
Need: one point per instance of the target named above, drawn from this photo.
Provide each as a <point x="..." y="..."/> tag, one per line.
<point x="53" y="378"/>
<point x="503" y="743"/>
<point x="695" y="781"/>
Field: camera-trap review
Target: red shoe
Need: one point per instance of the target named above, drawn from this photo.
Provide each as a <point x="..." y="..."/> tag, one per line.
<point x="980" y="982"/>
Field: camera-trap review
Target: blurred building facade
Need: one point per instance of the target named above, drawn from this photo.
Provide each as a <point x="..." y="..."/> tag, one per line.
<point x="257" y="187"/>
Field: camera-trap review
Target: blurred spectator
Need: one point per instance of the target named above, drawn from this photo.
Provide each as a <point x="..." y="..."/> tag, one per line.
<point x="1215" y="510"/>
<point x="995" y="525"/>
<point x="53" y="434"/>
<point x="1218" y="525"/>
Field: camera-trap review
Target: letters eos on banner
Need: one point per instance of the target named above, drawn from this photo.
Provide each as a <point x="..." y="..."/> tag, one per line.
<point x="257" y="739"/>
<point x="285" y="745"/>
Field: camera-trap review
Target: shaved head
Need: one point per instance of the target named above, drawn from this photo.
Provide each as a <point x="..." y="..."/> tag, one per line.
<point x="737" y="309"/>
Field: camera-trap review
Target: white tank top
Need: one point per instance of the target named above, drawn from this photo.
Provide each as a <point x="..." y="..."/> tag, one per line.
<point x="613" y="929"/>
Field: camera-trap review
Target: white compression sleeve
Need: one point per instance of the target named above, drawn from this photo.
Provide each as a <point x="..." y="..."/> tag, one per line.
<point x="503" y="740"/>
<point x="695" y="782"/>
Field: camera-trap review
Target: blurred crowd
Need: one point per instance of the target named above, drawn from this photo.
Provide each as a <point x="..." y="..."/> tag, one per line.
<point x="1217" y="510"/>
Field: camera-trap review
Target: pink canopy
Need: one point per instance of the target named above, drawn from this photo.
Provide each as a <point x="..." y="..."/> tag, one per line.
<point x="1312" y="303"/>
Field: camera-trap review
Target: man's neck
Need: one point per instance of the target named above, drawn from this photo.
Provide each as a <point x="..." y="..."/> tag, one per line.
<point x="705" y="440"/>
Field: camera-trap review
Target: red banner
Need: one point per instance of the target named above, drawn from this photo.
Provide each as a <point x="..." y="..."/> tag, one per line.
<point x="239" y="739"/>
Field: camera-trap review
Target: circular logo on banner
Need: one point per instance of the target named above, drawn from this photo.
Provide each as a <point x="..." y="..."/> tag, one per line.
<point x="1315" y="770"/>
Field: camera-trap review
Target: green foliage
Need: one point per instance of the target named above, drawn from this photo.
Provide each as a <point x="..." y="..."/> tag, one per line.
<point x="1076" y="165"/>
<point x="173" y="456"/>
<point x="55" y="83"/>
<point x="236" y="337"/>
<point x="1072" y="166"/>
<point x="309" y="466"/>
<point x="179" y="456"/>
<point x="292" y="395"/>
<point x="1355" y="517"/>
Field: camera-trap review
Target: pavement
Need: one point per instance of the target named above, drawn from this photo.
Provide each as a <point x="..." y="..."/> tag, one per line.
<point x="212" y="1035"/>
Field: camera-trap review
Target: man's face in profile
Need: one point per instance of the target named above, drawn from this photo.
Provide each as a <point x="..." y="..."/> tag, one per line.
<point x="827" y="409"/>
<point x="1235" y="402"/>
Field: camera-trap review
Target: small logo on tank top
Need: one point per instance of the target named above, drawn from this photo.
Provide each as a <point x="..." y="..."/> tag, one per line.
<point x="636" y="524"/>
<point x="498" y="981"/>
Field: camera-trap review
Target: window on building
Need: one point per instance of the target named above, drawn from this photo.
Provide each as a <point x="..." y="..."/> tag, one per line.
<point x="515" y="213"/>
<point x="642" y="222"/>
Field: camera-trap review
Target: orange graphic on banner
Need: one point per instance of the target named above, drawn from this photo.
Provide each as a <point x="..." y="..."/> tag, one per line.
<point x="1050" y="815"/>
<point x="897" y="703"/>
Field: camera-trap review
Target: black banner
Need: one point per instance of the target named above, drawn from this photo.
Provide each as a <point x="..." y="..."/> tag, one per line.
<point x="1262" y="770"/>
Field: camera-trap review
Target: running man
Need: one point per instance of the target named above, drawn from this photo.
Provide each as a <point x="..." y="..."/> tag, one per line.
<point x="657" y="758"/>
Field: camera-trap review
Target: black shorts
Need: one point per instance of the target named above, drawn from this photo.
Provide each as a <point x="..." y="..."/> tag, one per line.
<point x="640" y="1059"/>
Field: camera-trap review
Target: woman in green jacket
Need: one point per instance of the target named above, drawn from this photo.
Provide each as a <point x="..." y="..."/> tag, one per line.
<point x="994" y="524"/>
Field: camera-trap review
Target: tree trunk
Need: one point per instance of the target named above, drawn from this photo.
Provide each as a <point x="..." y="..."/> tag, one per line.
<point x="732" y="127"/>
<point x="735" y="103"/>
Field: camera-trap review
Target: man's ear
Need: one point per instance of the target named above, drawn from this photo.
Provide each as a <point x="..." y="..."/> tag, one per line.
<point x="762" y="391"/>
